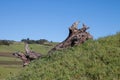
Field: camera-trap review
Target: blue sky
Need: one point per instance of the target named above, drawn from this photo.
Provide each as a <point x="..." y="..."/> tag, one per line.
<point x="50" y="19"/>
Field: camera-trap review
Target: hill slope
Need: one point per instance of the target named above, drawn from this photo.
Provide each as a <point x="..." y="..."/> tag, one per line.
<point x="9" y="64"/>
<point x="19" y="46"/>
<point x="94" y="60"/>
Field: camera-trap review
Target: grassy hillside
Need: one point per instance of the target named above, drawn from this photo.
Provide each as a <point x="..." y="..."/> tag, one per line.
<point x="10" y="64"/>
<point x="94" y="60"/>
<point x="19" y="46"/>
<point x="12" y="48"/>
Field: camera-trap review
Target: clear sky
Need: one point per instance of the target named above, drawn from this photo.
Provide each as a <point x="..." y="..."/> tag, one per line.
<point x="50" y="19"/>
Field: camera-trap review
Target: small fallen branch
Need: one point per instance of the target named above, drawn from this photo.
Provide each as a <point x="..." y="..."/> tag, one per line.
<point x="28" y="56"/>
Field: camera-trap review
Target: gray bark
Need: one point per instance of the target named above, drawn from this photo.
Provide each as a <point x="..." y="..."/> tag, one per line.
<point x="76" y="37"/>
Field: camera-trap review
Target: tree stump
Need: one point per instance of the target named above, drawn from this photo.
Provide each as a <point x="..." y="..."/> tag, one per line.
<point x="76" y="37"/>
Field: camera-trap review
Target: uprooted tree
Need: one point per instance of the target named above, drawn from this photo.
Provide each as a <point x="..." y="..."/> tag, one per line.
<point x="76" y="37"/>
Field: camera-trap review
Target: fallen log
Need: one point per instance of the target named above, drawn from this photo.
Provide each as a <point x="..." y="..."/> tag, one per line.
<point x="28" y="56"/>
<point x="76" y="37"/>
<point x="23" y="57"/>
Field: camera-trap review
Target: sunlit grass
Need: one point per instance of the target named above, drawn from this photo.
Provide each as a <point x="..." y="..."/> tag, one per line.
<point x="8" y="62"/>
<point x="18" y="46"/>
<point x="9" y="59"/>
<point x="94" y="60"/>
<point x="6" y="71"/>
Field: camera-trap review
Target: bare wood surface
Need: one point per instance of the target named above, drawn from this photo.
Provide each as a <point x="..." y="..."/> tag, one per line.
<point x="76" y="37"/>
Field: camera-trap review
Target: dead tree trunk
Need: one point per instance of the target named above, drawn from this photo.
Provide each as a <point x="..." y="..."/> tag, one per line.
<point x="76" y="37"/>
<point x="28" y="56"/>
<point x="23" y="57"/>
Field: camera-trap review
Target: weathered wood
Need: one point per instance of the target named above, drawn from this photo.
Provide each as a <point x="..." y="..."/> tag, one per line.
<point x="76" y="37"/>
<point x="31" y="54"/>
<point x="23" y="57"/>
<point x="28" y="56"/>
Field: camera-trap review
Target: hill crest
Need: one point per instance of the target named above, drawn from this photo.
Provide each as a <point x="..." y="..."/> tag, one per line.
<point x="94" y="60"/>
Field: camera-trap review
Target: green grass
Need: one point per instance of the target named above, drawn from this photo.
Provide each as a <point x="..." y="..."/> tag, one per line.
<point x="8" y="63"/>
<point x="6" y="71"/>
<point x="6" y="68"/>
<point x="94" y="60"/>
<point x="40" y="48"/>
<point x="12" y="48"/>
<point x="9" y="59"/>
<point x="18" y="46"/>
